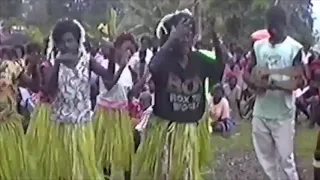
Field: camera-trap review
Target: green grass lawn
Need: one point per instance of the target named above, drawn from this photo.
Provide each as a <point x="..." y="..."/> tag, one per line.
<point x="305" y="141"/>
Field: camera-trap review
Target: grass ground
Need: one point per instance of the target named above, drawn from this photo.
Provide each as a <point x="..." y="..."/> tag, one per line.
<point x="236" y="154"/>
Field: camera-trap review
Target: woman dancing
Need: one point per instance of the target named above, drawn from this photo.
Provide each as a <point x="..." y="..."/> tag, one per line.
<point x="68" y="151"/>
<point x="40" y="117"/>
<point x="113" y="126"/>
<point x="175" y="131"/>
<point x="14" y="160"/>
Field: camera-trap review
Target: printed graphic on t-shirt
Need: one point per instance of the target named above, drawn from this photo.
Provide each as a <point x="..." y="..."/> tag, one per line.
<point x="273" y="62"/>
<point x="185" y="95"/>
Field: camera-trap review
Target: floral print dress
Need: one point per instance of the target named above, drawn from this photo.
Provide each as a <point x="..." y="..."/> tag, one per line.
<point x="72" y="103"/>
<point x="9" y="89"/>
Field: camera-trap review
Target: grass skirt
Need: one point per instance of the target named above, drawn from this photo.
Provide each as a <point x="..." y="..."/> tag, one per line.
<point x="173" y="151"/>
<point x="15" y="162"/>
<point x="114" y="139"/>
<point x="64" y="151"/>
<point x="40" y="119"/>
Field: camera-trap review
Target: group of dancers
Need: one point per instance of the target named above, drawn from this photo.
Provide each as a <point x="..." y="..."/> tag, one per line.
<point x="65" y="139"/>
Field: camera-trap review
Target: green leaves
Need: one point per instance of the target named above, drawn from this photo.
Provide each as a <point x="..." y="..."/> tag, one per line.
<point x="236" y="19"/>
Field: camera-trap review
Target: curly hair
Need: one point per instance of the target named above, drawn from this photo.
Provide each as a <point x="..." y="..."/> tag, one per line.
<point x="65" y="26"/>
<point x="62" y="27"/>
<point x="123" y="38"/>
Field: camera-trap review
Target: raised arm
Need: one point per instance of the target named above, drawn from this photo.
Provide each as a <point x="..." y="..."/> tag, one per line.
<point x="247" y="72"/>
<point x="108" y="76"/>
<point x="215" y="69"/>
<point x="50" y="86"/>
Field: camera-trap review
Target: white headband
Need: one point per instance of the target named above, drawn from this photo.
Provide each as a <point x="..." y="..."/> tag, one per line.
<point x="166" y="18"/>
<point x="50" y="47"/>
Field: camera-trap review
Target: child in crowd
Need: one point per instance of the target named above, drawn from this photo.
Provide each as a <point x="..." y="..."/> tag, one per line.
<point x="146" y="106"/>
<point x="220" y="112"/>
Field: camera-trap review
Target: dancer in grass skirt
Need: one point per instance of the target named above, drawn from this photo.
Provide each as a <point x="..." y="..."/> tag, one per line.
<point x="15" y="162"/>
<point x="113" y="124"/>
<point x="40" y="117"/>
<point x="68" y="150"/>
<point x="177" y="142"/>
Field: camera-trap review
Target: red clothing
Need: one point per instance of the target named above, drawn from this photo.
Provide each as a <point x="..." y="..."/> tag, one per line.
<point x="135" y="110"/>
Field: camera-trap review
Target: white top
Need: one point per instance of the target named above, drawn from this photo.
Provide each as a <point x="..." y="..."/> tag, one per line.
<point x="72" y="103"/>
<point x="120" y="90"/>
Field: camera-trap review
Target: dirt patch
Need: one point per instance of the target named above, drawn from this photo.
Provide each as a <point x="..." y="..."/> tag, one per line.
<point x="245" y="166"/>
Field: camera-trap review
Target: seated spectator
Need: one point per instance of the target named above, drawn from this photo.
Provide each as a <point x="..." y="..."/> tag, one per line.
<point x="219" y="111"/>
<point x="233" y="93"/>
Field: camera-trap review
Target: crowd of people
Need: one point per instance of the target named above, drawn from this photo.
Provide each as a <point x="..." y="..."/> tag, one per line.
<point x="78" y="109"/>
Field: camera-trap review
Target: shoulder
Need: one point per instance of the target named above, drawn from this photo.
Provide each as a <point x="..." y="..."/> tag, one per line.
<point x="260" y="42"/>
<point x="293" y="42"/>
<point x="197" y="58"/>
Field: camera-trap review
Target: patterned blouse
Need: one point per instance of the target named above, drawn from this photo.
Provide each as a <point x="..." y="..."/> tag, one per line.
<point x="8" y="89"/>
<point x="72" y="103"/>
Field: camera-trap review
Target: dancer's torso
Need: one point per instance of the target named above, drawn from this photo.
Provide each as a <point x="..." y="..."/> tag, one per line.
<point x="117" y="96"/>
<point x="72" y="103"/>
<point x="179" y="92"/>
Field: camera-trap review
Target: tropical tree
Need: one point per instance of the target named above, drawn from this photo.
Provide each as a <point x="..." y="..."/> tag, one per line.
<point x="244" y="17"/>
<point x="147" y="13"/>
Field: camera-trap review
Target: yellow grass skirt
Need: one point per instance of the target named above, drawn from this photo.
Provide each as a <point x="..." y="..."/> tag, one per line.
<point x="40" y="119"/>
<point x="15" y="163"/>
<point x="63" y="151"/>
<point x="114" y="138"/>
<point x="173" y="151"/>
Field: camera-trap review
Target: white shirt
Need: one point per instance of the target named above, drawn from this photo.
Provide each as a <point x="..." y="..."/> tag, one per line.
<point x="120" y="90"/>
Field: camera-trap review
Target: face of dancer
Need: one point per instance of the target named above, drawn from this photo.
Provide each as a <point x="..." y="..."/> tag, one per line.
<point x="186" y="42"/>
<point x="68" y="44"/>
<point x="276" y="30"/>
<point x="125" y="51"/>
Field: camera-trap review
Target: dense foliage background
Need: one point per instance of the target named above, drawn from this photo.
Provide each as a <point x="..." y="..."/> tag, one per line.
<point x="235" y="20"/>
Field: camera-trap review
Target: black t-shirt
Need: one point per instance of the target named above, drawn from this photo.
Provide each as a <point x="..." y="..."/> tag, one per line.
<point x="180" y="92"/>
